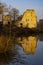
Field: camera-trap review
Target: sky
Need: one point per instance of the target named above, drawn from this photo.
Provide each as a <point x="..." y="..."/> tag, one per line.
<point x="22" y="5"/>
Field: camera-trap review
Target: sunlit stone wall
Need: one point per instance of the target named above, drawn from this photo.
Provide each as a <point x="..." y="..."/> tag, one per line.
<point x="6" y="19"/>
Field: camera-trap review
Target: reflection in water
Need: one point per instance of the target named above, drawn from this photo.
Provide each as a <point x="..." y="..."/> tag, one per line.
<point x="7" y="58"/>
<point x="28" y="44"/>
<point x="21" y="46"/>
<point x="13" y="58"/>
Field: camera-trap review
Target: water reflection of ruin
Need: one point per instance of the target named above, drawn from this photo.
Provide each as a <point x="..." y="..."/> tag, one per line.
<point x="28" y="44"/>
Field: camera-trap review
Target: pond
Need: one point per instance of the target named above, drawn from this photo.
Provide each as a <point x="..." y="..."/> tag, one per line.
<point x="26" y="51"/>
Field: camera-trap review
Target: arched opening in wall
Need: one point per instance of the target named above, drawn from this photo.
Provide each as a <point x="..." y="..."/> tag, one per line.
<point x="27" y="25"/>
<point x="8" y="23"/>
<point x="21" y="24"/>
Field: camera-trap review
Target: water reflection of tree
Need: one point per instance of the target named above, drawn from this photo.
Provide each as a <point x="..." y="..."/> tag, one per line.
<point x="8" y="57"/>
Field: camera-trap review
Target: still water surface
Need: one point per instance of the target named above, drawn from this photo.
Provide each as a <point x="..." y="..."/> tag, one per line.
<point x="26" y="51"/>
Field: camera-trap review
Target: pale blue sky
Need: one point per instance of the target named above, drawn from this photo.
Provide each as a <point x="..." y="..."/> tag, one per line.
<point x="22" y="5"/>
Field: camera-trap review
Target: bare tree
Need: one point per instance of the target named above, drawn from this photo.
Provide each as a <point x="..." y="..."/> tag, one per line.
<point x="15" y="13"/>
